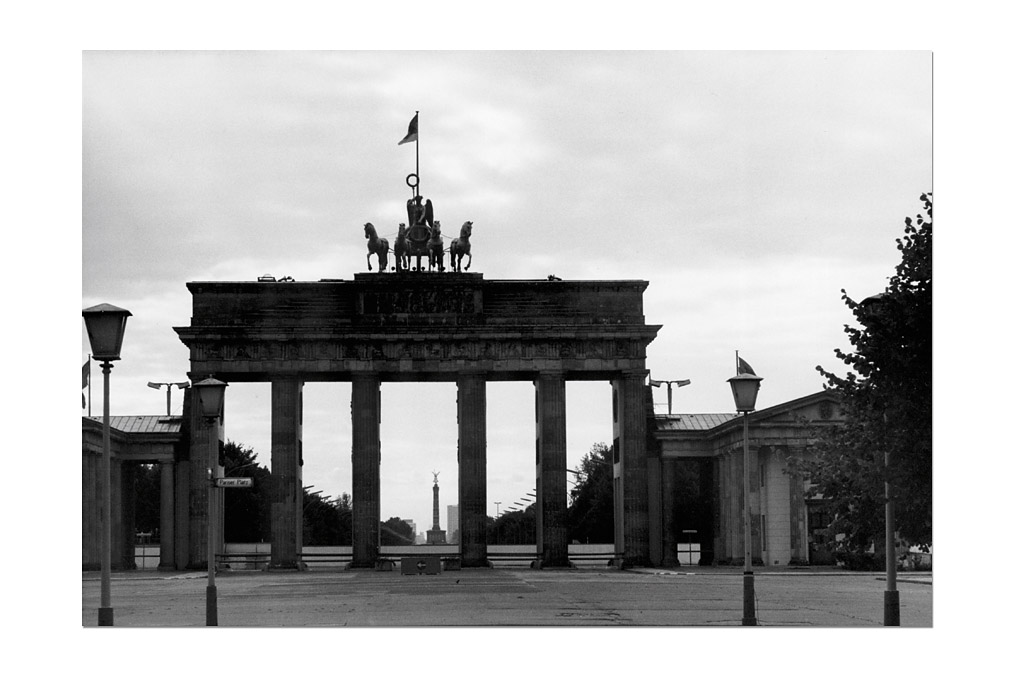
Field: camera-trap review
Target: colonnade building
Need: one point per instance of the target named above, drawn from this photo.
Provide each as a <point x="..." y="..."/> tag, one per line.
<point x="674" y="476"/>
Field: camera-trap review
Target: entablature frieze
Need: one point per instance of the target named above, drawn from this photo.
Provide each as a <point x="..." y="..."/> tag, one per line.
<point x="416" y="354"/>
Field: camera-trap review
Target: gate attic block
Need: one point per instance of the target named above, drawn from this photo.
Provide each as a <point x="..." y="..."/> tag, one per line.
<point x="416" y="328"/>
<point x="451" y="327"/>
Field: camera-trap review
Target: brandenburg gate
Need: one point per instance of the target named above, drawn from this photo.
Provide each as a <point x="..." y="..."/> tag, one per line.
<point x="449" y="327"/>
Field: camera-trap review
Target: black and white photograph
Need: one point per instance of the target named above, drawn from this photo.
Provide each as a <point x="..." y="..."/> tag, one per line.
<point x="543" y="381"/>
<point x="635" y="339"/>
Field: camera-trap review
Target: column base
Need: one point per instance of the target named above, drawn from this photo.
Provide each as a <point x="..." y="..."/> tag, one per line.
<point x="211" y="606"/>
<point x="892" y="609"/>
<point x="551" y="565"/>
<point x="105" y="617"/>
<point x="286" y="566"/>
<point x="361" y="565"/>
<point x="749" y="608"/>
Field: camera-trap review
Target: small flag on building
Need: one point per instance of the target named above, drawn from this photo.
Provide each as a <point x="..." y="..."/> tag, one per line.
<point x="413" y="131"/>
<point x="86" y="374"/>
<point x="742" y="367"/>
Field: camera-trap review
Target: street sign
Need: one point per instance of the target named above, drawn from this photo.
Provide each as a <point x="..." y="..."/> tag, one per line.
<point x="234" y="482"/>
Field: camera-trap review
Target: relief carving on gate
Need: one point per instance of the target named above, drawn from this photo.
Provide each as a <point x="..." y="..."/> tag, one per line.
<point x="419" y="301"/>
<point x="422" y="350"/>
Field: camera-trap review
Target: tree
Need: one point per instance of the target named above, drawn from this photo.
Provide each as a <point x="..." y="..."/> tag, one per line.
<point x="396" y="531"/>
<point x="590" y="515"/>
<point x="247" y="510"/>
<point x="327" y="522"/>
<point x="887" y="400"/>
<point x="343" y="519"/>
<point x="513" y="527"/>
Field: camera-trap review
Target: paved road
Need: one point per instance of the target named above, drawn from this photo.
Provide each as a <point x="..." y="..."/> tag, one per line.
<point x="506" y="597"/>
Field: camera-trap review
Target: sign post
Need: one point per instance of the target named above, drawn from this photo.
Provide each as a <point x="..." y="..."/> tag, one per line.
<point x="234" y="482"/>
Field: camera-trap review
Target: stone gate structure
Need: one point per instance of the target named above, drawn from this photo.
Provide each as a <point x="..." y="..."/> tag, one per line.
<point x="453" y="327"/>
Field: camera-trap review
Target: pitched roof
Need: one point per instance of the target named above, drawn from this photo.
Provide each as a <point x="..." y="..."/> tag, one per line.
<point x="691" y="421"/>
<point x="143" y="424"/>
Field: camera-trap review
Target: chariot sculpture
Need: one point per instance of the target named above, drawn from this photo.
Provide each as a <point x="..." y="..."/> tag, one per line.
<point x="420" y="235"/>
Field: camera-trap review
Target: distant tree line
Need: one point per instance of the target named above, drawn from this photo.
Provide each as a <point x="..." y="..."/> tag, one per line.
<point x="247" y="515"/>
<point x="329" y="522"/>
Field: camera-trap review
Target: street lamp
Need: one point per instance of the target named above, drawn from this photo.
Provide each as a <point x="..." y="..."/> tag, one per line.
<point x="210" y="397"/>
<point x="105" y="325"/>
<point x="669" y="384"/>
<point x="744" y="391"/>
<point x="892" y="603"/>
<point x="168" y="393"/>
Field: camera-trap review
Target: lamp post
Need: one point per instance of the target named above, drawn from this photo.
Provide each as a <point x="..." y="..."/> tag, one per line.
<point x="669" y="384"/>
<point x="744" y="392"/>
<point x="168" y="393"/>
<point x="875" y="308"/>
<point x="210" y="396"/>
<point x="105" y="325"/>
<point x="892" y="604"/>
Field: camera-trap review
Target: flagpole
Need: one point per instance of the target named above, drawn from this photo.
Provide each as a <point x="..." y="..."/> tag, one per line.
<point x="417" y="179"/>
<point x="89" y="385"/>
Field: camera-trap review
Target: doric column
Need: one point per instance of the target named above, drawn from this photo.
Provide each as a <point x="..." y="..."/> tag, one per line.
<point x="654" y="479"/>
<point x="755" y="504"/>
<point x="709" y="498"/>
<point x="472" y="469"/>
<point x="184" y="522"/>
<point x="733" y="493"/>
<point x="630" y="468"/>
<point x="166" y="517"/>
<point x="670" y="536"/>
<point x="286" y="472"/>
<point x="551" y="470"/>
<point x="128" y="539"/>
<point x="90" y="512"/>
<point x="116" y="508"/>
<point x="365" y="471"/>
<point x="198" y="483"/>
<point x="797" y="520"/>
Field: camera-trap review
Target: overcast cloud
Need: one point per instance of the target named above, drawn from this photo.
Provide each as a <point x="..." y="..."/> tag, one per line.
<point x="748" y="188"/>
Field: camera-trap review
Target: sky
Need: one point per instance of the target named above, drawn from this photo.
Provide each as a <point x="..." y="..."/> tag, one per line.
<point x="747" y="188"/>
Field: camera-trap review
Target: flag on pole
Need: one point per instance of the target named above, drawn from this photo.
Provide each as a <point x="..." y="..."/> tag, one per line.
<point x="86" y="374"/>
<point x="742" y="367"/>
<point x="413" y="131"/>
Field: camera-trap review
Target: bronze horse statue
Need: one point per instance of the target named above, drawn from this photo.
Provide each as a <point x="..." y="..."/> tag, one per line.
<point x="376" y="245"/>
<point x="401" y="249"/>
<point x="436" y="248"/>
<point x="461" y="247"/>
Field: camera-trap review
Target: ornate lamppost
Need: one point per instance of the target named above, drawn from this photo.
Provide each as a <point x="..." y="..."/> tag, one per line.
<point x="744" y="391"/>
<point x="105" y="325"/>
<point x="210" y="397"/>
